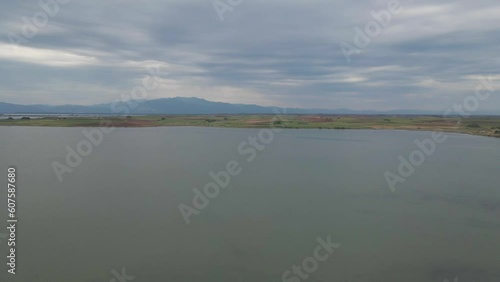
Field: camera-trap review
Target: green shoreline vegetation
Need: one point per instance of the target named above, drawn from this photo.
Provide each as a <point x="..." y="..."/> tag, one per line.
<point x="474" y="125"/>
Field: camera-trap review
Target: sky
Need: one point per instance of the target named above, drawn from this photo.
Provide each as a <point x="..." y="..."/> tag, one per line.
<point x="371" y="54"/>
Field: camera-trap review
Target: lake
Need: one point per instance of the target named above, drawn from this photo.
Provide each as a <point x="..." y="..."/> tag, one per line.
<point x="119" y="209"/>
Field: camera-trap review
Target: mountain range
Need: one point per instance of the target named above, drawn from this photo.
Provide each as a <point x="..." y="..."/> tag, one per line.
<point x="185" y="106"/>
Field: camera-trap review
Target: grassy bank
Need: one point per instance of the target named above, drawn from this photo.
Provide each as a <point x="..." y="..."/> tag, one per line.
<point x="476" y="125"/>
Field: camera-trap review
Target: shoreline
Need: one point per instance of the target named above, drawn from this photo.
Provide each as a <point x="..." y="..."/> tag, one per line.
<point x="487" y="126"/>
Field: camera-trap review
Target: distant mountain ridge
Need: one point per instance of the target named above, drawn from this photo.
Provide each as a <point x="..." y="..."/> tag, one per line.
<point x="183" y="106"/>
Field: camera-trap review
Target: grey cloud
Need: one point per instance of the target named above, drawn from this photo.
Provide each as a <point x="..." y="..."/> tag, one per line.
<point x="272" y="52"/>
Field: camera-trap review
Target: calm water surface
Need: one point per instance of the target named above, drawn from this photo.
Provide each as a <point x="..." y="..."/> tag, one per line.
<point x="119" y="208"/>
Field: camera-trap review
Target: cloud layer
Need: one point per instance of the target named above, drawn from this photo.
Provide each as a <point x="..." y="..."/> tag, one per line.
<point x="274" y="52"/>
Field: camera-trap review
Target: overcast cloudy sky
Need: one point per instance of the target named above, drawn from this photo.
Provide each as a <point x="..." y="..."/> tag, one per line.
<point x="267" y="52"/>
